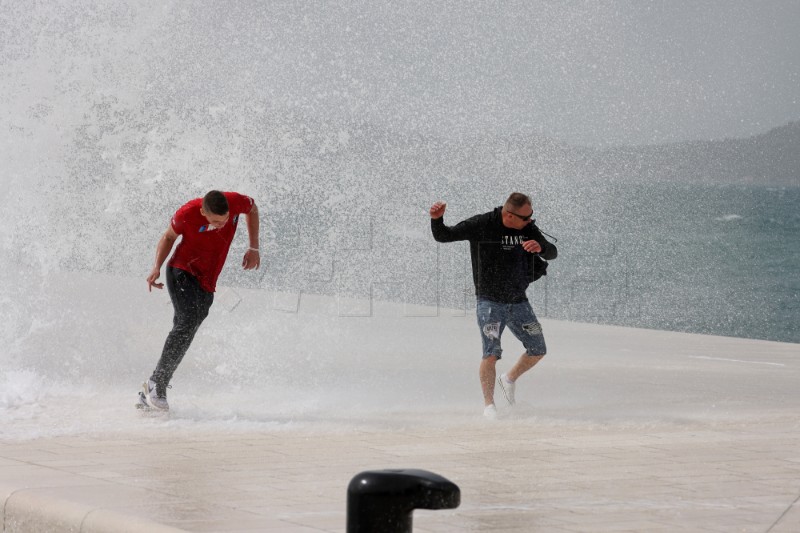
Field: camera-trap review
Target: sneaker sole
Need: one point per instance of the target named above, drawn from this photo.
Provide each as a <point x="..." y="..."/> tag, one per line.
<point x="142" y="403"/>
<point x="508" y="398"/>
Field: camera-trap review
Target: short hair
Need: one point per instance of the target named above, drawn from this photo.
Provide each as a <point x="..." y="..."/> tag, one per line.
<point x="517" y="199"/>
<point x="215" y="203"/>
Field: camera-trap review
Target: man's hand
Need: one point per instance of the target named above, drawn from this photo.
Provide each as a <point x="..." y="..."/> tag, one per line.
<point x="252" y="259"/>
<point x="438" y="209"/>
<point x="163" y="248"/>
<point x="532" y="246"/>
<point x="151" y="280"/>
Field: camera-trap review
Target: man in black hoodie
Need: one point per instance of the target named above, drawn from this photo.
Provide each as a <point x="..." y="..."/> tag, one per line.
<point x="502" y="244"/>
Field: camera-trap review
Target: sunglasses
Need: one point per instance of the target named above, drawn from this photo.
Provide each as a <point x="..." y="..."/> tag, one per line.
<point x="523" y="218"/>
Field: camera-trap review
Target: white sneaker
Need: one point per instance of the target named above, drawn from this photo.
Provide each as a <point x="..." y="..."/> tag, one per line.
<point x="508" y="388"/>
<point x="490" y="412"/>
<point x="152" y="399"/>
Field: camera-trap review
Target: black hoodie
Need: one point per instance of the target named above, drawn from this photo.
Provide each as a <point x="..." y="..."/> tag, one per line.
<point x="501" y="268"/>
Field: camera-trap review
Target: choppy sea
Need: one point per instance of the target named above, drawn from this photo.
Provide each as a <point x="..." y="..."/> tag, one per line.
<point x="722" y="260"/>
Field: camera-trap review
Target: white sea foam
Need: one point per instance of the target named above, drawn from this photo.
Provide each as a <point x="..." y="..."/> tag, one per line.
<point x="256" y="366"/>
<point x="97" y="337"/>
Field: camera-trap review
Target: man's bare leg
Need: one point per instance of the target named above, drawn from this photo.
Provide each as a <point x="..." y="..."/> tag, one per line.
<point x="488" y="375"/>
<point x="525" y="363"/>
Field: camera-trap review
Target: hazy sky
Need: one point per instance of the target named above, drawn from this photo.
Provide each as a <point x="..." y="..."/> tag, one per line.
<point x="585" y="72"/>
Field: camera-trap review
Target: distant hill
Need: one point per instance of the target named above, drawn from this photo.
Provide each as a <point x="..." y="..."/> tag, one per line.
<point x="772" y="158"/>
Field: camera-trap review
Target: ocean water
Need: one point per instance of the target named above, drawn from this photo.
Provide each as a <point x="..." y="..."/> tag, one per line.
<point x="721" y="259"/>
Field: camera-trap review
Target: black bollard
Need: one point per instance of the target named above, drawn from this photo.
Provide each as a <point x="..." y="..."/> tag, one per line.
<point x="382" y="501"/>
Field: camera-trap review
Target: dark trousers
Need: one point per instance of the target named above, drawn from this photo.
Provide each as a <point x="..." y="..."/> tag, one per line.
<point x="191" y="305"/>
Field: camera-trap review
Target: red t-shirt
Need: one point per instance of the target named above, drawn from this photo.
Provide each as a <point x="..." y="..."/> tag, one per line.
<point x="203" y="249"/>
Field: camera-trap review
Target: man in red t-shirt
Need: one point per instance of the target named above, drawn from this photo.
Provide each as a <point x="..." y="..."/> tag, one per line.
<point x="207" y="226"/>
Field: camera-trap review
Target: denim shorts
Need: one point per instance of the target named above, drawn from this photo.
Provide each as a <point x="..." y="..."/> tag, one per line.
<point x="493" y="317"/>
